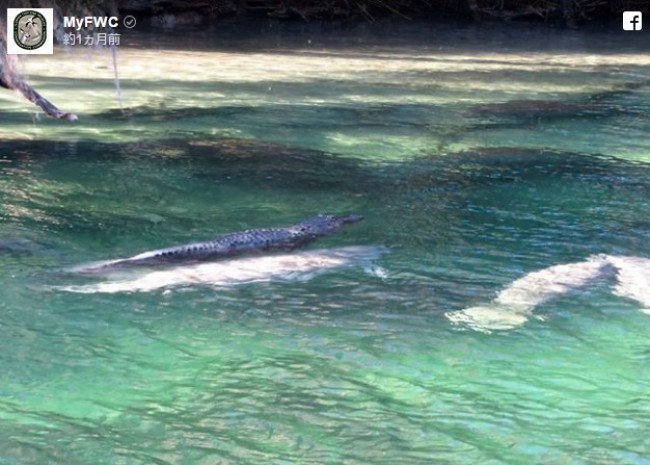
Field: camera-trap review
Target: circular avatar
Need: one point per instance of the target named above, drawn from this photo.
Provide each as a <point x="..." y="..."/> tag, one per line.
<point x="30" y="30"/>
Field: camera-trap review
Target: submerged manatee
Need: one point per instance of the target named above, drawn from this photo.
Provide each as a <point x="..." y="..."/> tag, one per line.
<point x="514" y="305"/>
<point x="297" y="266"/>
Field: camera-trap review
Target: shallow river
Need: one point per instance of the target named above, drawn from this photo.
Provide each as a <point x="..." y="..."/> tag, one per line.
<point x="476" y="156"/>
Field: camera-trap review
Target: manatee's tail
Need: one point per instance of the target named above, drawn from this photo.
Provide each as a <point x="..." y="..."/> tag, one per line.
<point x="633" y="279"/>
<point x="514" y="305"/>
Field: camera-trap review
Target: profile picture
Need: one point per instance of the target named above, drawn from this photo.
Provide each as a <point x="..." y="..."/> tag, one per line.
<point x="30" y="31"/>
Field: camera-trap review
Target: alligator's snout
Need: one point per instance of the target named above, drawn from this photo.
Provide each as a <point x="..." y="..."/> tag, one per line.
<point x="324" y="224"/>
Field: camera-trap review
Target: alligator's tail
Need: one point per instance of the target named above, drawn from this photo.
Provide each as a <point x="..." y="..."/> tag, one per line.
<point x="514" y="305"/>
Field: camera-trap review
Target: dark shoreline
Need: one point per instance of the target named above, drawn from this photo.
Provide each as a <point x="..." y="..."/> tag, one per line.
<point x="562" y="13"/>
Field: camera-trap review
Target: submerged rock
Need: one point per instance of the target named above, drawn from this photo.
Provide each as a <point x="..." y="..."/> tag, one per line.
<point x="161" y="112"/>
<point x="603" y="103"/>
<point x="274" y="165"/>
<point x="511" y="164"/>
<point x="17" y="246"/>
<point x="545" y="109"/>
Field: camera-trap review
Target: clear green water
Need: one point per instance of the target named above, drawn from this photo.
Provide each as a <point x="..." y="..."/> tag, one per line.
<point x="347" y="367"/>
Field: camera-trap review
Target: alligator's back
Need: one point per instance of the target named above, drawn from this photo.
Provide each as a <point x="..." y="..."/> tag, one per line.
<point x="250" y="241"/>
<point x="247" y="242"/>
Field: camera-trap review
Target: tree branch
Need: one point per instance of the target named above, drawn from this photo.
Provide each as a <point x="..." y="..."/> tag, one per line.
<point x="10" y="80"/>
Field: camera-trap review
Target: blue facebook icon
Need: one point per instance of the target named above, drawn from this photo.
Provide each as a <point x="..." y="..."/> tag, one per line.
<point x="632" y="21"/>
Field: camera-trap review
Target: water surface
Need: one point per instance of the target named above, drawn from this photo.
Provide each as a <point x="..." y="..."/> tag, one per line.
<point x="476" y="155"/>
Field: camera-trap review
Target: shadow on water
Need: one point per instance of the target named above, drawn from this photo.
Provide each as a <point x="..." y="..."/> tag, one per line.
<point x="107" y="169"/>
<point x="385" y="115"/>
<point x="524" y="111"/>
<point x="171" y="188"/>
<point x="558" y="203"/>
<point x="529" y="114"/>
<point x="220" y="159"/>
<point x="18" y="246"/>
<point x="274" y="165"/>
<point x="490" y="165"/>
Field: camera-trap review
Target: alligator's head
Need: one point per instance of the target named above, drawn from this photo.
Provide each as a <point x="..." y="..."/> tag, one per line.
<point x="324" y="225"/>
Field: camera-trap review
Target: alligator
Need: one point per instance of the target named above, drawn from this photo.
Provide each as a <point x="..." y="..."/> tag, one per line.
<point x="237" y="244"/>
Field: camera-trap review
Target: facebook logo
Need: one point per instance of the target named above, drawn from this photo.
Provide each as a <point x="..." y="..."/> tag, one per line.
<point x="632" y="20"/>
